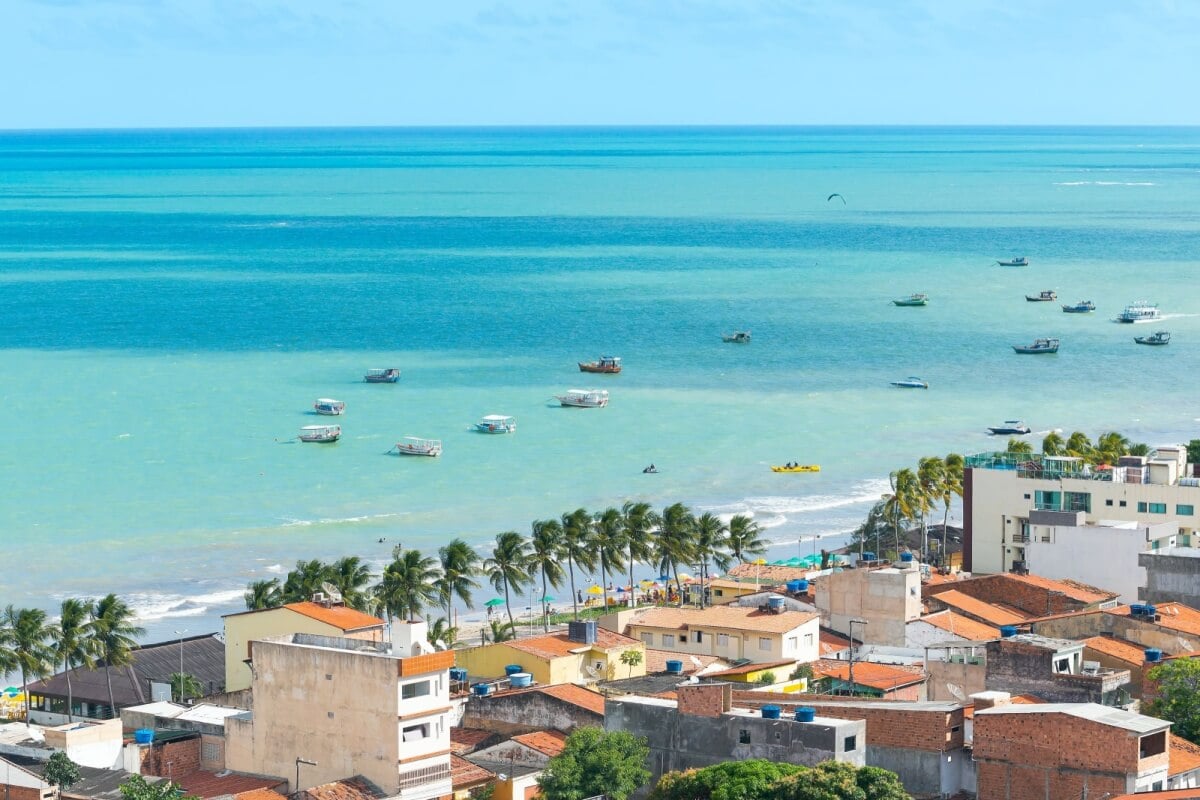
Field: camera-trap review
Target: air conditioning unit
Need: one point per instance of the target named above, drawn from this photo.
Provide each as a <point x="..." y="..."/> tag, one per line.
<point x="1091" y="668"/>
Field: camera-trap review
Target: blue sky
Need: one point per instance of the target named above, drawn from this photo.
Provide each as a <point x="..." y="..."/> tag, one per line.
<point x="134" y="63"/>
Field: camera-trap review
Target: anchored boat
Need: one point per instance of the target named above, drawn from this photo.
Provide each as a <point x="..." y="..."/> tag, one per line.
<point x="1016" y="261"/>
<point x="322" y="434"/>
<point x="609" y="365"/>
<point x="329" y="408"/>
<point x="412" y="446"/>
<point x="1039" y="347"/>
<point x="1082" y="307"/>
<point x="583" y="398"/>
<point x="497" y="423"/>
<point x="1160" y="338"/>
<point x="911" y="382"/>
<point x="390" y="375"/>
<point x="737" y="337"/>
<point x="1043" y="296"/>
<point x="913" y="300"/>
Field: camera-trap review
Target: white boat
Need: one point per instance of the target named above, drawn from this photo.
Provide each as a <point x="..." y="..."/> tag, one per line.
<point x="389" y="375"/>
<point x="412" y="446"/>
<point x="911" y="382"/>
<point x="1140" y="311"/>
<point x="497" y="423"/>
<point x="1011" y="427"/>
<point x="737" y="337"/>
<point x="329" y="408"/>
<point x="583" y="398"/>
<point x="322" y="434"/>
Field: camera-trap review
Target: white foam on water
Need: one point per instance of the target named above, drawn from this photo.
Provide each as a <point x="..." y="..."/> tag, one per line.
<point x="150" y="607"/>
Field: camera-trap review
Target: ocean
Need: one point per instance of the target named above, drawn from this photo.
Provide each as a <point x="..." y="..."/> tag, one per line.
<point x="174" y="301"/>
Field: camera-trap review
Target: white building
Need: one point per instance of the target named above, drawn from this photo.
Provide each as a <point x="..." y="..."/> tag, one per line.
<point x="730" y="632"/>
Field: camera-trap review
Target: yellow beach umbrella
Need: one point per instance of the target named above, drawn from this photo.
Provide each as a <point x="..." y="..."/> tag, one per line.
<point x="595" y="590"/>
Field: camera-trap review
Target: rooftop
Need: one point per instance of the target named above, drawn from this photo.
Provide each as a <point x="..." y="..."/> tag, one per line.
<point x="356" y="788"/>
<point x="204" y="784"/>
<point x="830" y="643"/>
<point x="729" y="617"/>
<point x="343" y="617"/>
<point x="1171" y="615"/>
<point x="725" y="583"/>
<point x="566" y="692"/>
<point x="1094" y="712"/>
<point x="884" y="677"/>
<point x="1117" y="648"/>
<point x="1044" y="642"/>
<point x="557" y="645"/>
<point x="1016" y="699"/>
<point x="464" y="774"/>
<point x="978" y="608"/>
<point x="549" y="743"/>
<point x="747" y="668"/>
<point x="1075" y="590"/>
<point x="656" y="661"/>
<point x="1184" y="756"/>
<point x="464" y="740"/>
<point x="960" y="626"/>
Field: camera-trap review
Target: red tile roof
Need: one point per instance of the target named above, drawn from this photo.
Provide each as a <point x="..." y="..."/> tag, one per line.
<point x="204" y="784"/>
<point x="1116" y="648"/>
<point x="1172" y="615"/>
<point x="566" y="692"/>
<point x="464" y="740"/>
<point x="1017" y="700"/>
<point x="1184" y="756"/>
<point x="830" y="643"/>
<point x="728" y="617"/>
<point x="465" y="775"/>
<point x="1075" y="590"/>
<point x="977" y="608"/>
<point x="259" y="794"/>
<point x="962" y="627"/>
<point x="356" y="788"/>
<point x="878" y="676"/>
<point x="745" y="668"/>
<point x="342" y="617"/>
<point x="550" y="743"/>
<point x="656" y="661"/>
<point x="1171" y="794"/>
<point x="557" y="645"/>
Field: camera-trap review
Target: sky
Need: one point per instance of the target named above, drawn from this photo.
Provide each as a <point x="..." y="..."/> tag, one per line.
<point x="229" y="63"/>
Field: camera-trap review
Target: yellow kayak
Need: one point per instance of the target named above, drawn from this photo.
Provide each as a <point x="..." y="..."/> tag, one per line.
<point x="798" y="468"/>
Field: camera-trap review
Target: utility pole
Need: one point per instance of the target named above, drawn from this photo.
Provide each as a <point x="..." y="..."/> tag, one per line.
<point x="853" y="685"/>
<point x="300" y="761"/>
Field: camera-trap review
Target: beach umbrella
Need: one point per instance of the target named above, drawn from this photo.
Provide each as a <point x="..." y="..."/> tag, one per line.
<point x="495" y="601"/>
<point x="12" y="691"/>
<point x="547" y="599"/>
<point x="622" y="589"/>
<point x="647" y="584"/>
<point x="685" y="578"/>
<point x="664" y="578"/>
<point x="595" y="590"/>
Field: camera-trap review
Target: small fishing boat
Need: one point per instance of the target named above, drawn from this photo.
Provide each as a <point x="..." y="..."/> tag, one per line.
<point x="1039" y="347"/>
<point x="1044" y="296"/>
<point x="329" y="408"/>
<point x="737" y="337"/>
<point x="322" y="434"/>
<point x="1082" y="307"/>
<point x="1015" y="261"/>
<point x="913" y="300"/>
<point x="583" y="398"/>
<point x="497" y="423"/>
<point x="412" y="446"/>
<point x="911" y="382"/>
<point x="797" y="468"/>
<point x="1162" y="337"/>
<point x="609" y="365"/>
<point x="390" y="375"/>
<point x="1011" y="427"/>
<point x="1139" y="311"/>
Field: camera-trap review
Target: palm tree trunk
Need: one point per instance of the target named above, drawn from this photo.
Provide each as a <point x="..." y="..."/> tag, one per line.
<point x="574" y="597"/>
<point x="25" y="688"/>
<point x="632" y="590"/>
<point x="70" y="696"/>
<point x="545" y="612"/>
<point x="508" y="607"/>
<point x="678" y="584"/>
<point x="112" y="702"/>
<point x="604" y="579"/>
<point x="703" y="576"/>
<point x="945" y="522"/>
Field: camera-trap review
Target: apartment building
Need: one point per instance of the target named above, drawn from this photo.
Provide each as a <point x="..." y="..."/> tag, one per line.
<point x="766" y="633"/>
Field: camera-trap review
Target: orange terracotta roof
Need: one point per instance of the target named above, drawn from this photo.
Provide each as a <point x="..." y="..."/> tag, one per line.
<point x="568" y="693"/>
<point x="1016" y="700"/>
<point x="465" y="775"/>
<point x="768" y="573"/>
<point x="259" y="794"/>
<point x="878" y="676"/>
<point x="937" y="579"/>
<point x="1170" y="794"/>
<point x="656" y="661"/>
<point x="1184" y="756"/>
<point x="830" y="643"/>
<point x="557" y="645"/>
<point x="745" y="668"/>
<point x="1116" y="648"/>
<point x="728" y="617"/>
<point x="1171" y="615"/>
<point x="342" y="617"/>
<point x="977" y="608"/>
<point x="464" y="740"/>
<point x="356" y="788"/>
<point x="550" y="743"/>
<point x="205" y="784"/>
<point x="962" y="627"/>
<point x="1075" y="590"/>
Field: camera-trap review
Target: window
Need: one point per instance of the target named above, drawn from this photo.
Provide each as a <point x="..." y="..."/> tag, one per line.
<point x="1158" y="508"/>
<point x="1062" y="665"/>
<point x="699" y="637"/>
<point x="1122" y="504"/>
<point x="1141" y="508"/>
<point x="722" y="640"/>
<point x="410" y="690"/>
<point x="764" y="643"/>
<point x="743" y="736"/>
<point x="1047" y="501"/>
<point x="808" y="640"/>
<point x="1185" y="511"/>
<point x="668" y="640"/>
<point x="1026" y="497"/>
<point x="415" y="733"/>
<point x="1108" y="502"/>
<point x="683" y="637"/>
<point x="648" y="638"/>
<point x="1077" y="501"/>
<point x="849" y="744"/>
<point x="1152" y="745"/>
<point x="210" y="751"/>
<point x="793" y="642"/>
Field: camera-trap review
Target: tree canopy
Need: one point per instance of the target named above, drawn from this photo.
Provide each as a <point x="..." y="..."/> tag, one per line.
<point x="138" y="788"/>
<point x="61" y="771"/>
<point x="1178" y="697"/>
<point x="594" y="762"/>
<point x="758" y="779"/>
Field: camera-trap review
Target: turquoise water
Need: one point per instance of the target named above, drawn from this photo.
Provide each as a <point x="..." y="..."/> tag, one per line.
<point x="175" y="301"/>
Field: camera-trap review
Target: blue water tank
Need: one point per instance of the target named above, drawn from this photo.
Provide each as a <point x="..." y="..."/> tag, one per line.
<point x="1150" y="610"/>
<point x="775" y="603"/>
<point x="1008" y="630"/>
<point x="770" y="712"/>
<point x="1153" y="655"/>
<point x="793" y="587"/>
<point x="481" y="689"/>
<point x="513" y="669"/>
<point x="805" y="714"/>
<point x="458" y="674"/>
<point x="674" y="667"/>
<point x="1137" y="610"/>
<point x="868" y="555"/>
<point x="803" y="586"/>
<point x="519" y="680"/>
<point x="906" y="557"/>
<point x="143" y="735"/>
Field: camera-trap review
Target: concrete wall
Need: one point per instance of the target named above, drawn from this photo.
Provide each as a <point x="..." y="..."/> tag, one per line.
<point x="512" y="713"/>
<point x="17" y="783"/>
<point x="887" y="598"/>
<point x="998" y="502"/>
<point x="1171" y="575"/>
<point x="1064" y="555"/>
<point x="802" y="643"/>
<point x="1022" y="668"/>
<point x="950" y="680"/>
<point x="1141" y="632"/>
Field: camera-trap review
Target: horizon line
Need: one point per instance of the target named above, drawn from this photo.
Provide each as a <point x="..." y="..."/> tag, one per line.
<point x="611" y="126"/>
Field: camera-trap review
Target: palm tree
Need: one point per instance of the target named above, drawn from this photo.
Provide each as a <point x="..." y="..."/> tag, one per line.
<point x="498" y="631"/>
<point x="545" y="549"/>
<point x="113" y="631"/>
<point x="1139" y="449"/>
<point x="351" y="577"/>
<point x="1020" y="446"/>
<point x="1053" y="444"/>
<point x="931" y="474"/>
<point x="744" y="538"/>
<point x="1079" y="445"/>
<point x="1110" y="447"/>
<point x="608" y="543"/>
<point x="442" y="635"/>
<point x="676" y="542"/>
<point x="952" y="484"/>
<point x="711" y="543"/>
<point x="460" y="563"/>
<point x="263" y="594"/>
<point x="640" y="522"/>
<point x="407" y="585"/>
<point x="305" y="580"/>
<point x="577" y="527"/>
<point x="184" y="686"/>
<point x="26" y="631"/>
<point x="900" y="503"/>
<point x="509" y="566"/>
<point x="71" y="642"/>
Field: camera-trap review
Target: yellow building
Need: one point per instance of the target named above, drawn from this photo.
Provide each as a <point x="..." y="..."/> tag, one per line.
<point x="557" y="657"/>
<point x="725" y="591"/>
<point x="728" y="632"/>
<point x="321" y="619"/>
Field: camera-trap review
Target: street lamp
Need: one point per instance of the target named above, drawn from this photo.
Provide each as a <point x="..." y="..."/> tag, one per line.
<point x="853" y="622"/>
<point x="180" y="635"/>
<point x="300" y="761"/>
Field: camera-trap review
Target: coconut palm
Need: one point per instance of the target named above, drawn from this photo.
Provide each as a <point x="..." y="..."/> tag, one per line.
<point x="27" y="635"/>
<point x="71" y="642"/>
<point x="1019" y="446"/>
<point x="744" y="538"/>
<point x="900" y="503"/>
<point x="931" y="474"/>
<point x="676" y="542"/>
<point x="184" y="686"/>
<point x="407" y="585"/>
<point x="113" y="630"/>
<point x="1110" y="447"/>
<point x="577" y="527"/>
<point x="1079" y="445"/>
<point x="711" y="544"/>
<point x="545" y="550"/>
<point x="508" y="568"/>
<point x="952" y="485"/>
<point x="1053" y="444"/>
<point x="498" y="631"/>
<point x="442" y="635"/>
<point x="352" y="578"/>
<point x="306" y="580"/>
<point x="1139" y="449"/>
<point x="460" y="565"/>
<point x="640" y="522"/>
<point x="608" y="543"/>
<point x="263" y="594"/>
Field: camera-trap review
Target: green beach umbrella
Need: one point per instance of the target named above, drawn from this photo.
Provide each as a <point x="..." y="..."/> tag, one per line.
<point x="547" y="599"/>
<point x="495" y="601"/>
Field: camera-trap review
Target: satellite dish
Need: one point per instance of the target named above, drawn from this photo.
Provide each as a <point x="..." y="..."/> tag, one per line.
<point x="331" y="591"/>
<point x="697" y="661"/>
<point x="956" y="692"/>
